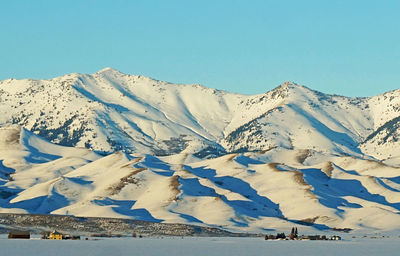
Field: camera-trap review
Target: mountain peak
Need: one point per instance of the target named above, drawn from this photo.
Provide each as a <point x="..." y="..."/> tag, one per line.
<point x="290" y="85"/>
<point x="286" y="87"/>
<point x="107" y="70"/>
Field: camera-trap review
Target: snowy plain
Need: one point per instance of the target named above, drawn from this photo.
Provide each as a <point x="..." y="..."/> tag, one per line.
<point x="199" y="246"/>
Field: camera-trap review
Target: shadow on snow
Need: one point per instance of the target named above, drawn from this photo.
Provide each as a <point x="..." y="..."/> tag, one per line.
<point x="124" y="207"/>
<point x="256" y="206"/>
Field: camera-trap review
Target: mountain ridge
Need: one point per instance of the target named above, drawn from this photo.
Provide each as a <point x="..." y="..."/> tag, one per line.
<point x="115" y="111"/>
<point x="115" y="145"/>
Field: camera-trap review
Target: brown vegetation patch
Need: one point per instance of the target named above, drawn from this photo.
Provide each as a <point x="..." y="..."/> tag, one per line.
<point x="273" y="166"/>
<point x="218" y="198"/>
<point x="174" y="185"/>
<point x="327" y="169"/>
<point x="380" y="164"/>
<point x="309" y="220"/>
<point x="231" y="157"/>
<point x="13" y="137"/>
<point x="134" y="161"/>
<point x="303" y="155"/>
<point x="262" y="152"/>
<point x="128" y="179"/>
<point x="180" y="165"/>
<point x="299" y="178"/>
<point x="373" y="179"/>
<point x="374" y="163"/>
<point x="346" y="230"/>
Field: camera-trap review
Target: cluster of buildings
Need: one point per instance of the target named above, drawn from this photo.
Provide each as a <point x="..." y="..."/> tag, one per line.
<point x="55" y="235"/>
<point x="294" y="236"/>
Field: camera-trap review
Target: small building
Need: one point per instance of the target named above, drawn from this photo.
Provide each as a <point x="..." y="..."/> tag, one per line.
<point x="70" y="237"/>
<point x="16" y="234"/>
<point x="55" y="235"/>
<point x="45" y="234"/>
<point x="270" y="237"/>
<point x="281" y="236"/>
<point x="314" y="237"/>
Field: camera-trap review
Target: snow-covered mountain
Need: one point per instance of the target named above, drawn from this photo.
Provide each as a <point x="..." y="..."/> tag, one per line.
<point x="111" y="144"/>
<point x="109" y="111"/>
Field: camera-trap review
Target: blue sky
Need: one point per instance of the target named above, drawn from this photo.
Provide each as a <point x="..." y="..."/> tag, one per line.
<point x="347" y="47"/>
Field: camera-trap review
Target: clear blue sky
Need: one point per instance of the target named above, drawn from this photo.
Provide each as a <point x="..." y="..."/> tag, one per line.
<point x="348" y="47"/>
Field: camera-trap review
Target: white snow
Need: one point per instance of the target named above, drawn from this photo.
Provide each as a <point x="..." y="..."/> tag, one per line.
<point x="200" y="246"/>
<point x="109" y="110"/>
<point x="242" y="192"/>
<point x="324" y="161"/>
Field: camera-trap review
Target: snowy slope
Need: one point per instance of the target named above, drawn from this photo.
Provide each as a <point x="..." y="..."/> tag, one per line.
<point x="335" y="124"/>
<point x="189" y="154"/>
<point x="251" y="191"/>
<point x="109" y="111"/>
<point x="385" y="112"/>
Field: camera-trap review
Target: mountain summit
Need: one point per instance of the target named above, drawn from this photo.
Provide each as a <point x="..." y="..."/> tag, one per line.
<point x="110" y="111"/>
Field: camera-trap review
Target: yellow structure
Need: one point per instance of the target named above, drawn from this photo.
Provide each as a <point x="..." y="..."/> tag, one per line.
<point x="55" y="235"/>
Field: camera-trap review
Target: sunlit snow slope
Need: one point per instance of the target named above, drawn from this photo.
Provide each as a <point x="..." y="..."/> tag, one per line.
<point x="186" y="153"/>
<point x="109" y="111"/>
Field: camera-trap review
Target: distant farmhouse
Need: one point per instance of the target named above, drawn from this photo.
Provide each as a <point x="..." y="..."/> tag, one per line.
<point x="16" y="234"/>
<point x="55" y="235"/>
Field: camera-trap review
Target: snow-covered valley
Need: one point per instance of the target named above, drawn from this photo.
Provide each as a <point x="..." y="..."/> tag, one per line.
<point x="115" y="145"/>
